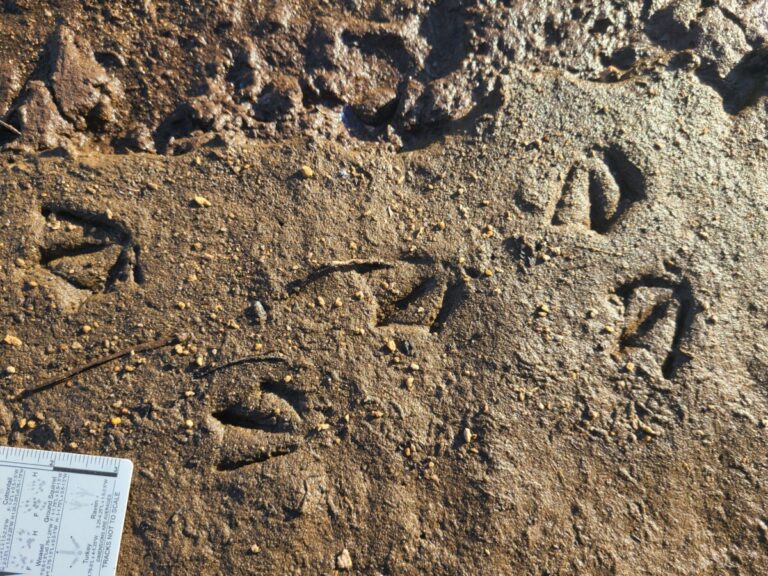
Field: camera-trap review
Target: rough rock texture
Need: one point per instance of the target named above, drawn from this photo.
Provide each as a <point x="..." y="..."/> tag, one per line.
<point x="38" y="119"/>
<point x="475" y="288"/>
<point x="380" y="71"/>
<point x="80" y="85"/>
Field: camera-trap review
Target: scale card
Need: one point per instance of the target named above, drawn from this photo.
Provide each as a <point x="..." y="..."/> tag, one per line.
<point x="61" y="514"/>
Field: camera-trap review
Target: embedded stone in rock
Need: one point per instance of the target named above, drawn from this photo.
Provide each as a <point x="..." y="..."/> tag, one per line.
<point x="344" y="560"/>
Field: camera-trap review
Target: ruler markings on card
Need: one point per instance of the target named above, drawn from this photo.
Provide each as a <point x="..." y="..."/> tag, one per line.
<point x="61" y="513"/>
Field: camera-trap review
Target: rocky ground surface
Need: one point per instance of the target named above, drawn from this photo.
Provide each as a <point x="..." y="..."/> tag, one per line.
<point x="395" y="287"/>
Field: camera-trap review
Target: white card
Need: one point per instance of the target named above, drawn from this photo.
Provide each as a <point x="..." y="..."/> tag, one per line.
<point x="61" y="514"/>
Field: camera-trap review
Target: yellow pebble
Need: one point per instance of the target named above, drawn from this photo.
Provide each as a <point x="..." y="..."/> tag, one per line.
<point x="116" y="420"/>
<point x="11" y="340"/>
<point x="307" y="172"/>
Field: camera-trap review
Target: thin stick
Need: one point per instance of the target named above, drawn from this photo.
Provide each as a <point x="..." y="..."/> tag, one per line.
<point x="9" y="128"/>
<point x="267" y="358"/>
<point x="52" y="382"/>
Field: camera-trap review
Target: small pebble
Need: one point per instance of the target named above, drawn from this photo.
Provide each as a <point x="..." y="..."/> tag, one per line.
<point x="344" y="560"/>
<point x="391" y="346"/>
<point x="307" y="172"/>
<point x="467" y="435"/>
<point x="202" y="202"/>
<point x="11" y="340"/>
<point x="10" y="370"/>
